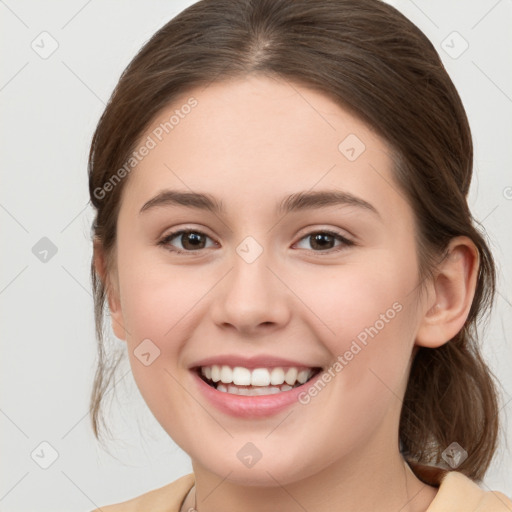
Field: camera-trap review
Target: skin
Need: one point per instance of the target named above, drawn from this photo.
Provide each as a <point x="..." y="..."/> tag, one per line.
<point x="250" y="142"/>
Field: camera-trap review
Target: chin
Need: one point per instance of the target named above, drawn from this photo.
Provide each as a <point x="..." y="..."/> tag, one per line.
<point x="270" y="473"/>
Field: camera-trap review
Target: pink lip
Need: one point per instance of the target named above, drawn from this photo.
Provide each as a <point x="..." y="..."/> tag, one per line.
<point x="261" y="361"/>
<point x="248" y="407"/>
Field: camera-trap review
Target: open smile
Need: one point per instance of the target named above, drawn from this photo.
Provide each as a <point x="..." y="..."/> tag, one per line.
<point x="239" y="380"/>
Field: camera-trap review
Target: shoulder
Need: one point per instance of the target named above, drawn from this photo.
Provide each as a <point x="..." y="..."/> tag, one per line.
<point x="164" y="499"/>
<point x="458" y="493"/>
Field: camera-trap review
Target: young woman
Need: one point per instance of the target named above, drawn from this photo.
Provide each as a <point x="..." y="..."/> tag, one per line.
<point x="283" y="239"/>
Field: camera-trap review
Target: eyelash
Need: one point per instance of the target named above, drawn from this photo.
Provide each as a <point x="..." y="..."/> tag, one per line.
<point x="164" y="242"/>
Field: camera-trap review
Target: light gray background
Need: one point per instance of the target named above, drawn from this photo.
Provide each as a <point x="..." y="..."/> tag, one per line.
<point x="49" y="108"/>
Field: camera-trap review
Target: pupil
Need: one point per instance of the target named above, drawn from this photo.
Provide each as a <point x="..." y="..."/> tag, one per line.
<point x="191" y="238"/>
<point x="321" y="240"/>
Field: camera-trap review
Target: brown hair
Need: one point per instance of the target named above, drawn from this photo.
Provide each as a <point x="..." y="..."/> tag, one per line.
<point x="368" y="57"/>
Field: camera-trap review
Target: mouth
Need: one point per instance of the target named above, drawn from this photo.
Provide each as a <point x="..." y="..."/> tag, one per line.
<point x="256" y="381"/>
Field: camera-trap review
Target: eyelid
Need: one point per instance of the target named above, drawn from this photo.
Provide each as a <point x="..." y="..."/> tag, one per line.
<point x="315" y="228"/>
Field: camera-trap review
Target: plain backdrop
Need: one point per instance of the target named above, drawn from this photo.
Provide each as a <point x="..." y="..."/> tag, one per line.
<point x="60" y="63"/>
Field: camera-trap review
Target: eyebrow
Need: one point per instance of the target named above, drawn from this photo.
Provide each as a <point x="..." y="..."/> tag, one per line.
<point x="295" y="202"/>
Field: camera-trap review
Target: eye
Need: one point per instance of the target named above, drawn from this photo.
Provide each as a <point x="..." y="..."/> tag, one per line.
<point x="191" y="240"/>
<point x="322" y="241"/>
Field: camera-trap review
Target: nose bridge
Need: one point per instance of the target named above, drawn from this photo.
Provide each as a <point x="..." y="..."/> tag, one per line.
<point x="251" y="295"/>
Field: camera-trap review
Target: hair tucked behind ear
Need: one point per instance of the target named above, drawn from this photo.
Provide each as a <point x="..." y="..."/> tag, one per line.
<point x="368" y="57"/>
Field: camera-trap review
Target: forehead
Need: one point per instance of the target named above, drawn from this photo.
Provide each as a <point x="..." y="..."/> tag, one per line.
<point x="255" y="136"/>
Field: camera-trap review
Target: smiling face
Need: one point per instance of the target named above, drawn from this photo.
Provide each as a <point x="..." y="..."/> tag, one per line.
<point x="326" y="280"/>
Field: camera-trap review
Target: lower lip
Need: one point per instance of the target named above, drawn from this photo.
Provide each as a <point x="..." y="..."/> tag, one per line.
<point x="259" y="406"/>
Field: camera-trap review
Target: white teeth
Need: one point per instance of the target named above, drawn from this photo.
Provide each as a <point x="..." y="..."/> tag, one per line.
<point x="226" y="374"/>
<point x="266" y="378"/>
<point x="256" y="391"/>
<point x="241" y="376"/>
<point x="277" y="376"/>
<point x="260" y="377"/>
<point x="291" y="376"/>
<point x="215" y="373"/>
<point x="303" y="376"/>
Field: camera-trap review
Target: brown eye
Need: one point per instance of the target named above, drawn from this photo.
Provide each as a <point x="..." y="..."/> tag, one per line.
<point x="190" y="240"/>
<point x="323" y="241"/>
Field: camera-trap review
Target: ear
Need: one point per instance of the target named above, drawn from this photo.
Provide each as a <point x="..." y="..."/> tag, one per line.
<point x="451" y="294"/>
<point x="111" y="286"/>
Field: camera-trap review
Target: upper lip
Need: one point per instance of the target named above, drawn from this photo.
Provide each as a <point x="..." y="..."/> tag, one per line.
<point x="259" y="361"/>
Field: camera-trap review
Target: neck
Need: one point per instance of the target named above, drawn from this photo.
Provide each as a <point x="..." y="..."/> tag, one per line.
<point x="362" y="481"/>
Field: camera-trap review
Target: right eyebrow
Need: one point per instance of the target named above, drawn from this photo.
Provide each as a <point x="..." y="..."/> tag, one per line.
<point x="189" y="199"/>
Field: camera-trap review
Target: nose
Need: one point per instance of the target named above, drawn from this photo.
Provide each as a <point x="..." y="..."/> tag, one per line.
<point x="252" y="298"/>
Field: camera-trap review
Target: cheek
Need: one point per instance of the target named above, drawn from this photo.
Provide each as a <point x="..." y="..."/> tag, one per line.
<point x="367" y="316"/>
<point x="157" y="297"/>
<point x="161" y="307"/>
<point x="351" y="298"/>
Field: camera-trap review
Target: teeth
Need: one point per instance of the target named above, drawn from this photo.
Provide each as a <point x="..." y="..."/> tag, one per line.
<point x="303" y="376"/>
<point x="215" y="373"/>
<point x="267" y="378"/>
<point x="256" y="391"/>
<point x="277" y="376"/>
<point x="226" y="374"/>
<point x="260" y="377"/>
<point x="241" y="376"/>
<point x="291" y="376"/>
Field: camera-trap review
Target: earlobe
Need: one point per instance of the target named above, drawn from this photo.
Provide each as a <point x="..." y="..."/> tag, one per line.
<point x="451" y="295"/>
<point x="111" y="291"/>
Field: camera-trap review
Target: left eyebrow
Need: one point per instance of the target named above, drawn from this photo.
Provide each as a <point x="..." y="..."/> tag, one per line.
<point x="323" y="199"/>
<point x="293" y="203"/>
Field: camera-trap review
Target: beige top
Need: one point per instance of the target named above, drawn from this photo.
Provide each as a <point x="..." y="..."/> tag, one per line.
<point x="456" y="493"/>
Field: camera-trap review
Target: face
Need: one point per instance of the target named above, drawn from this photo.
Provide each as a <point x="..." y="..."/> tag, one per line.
<point x="300" y="254"/>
